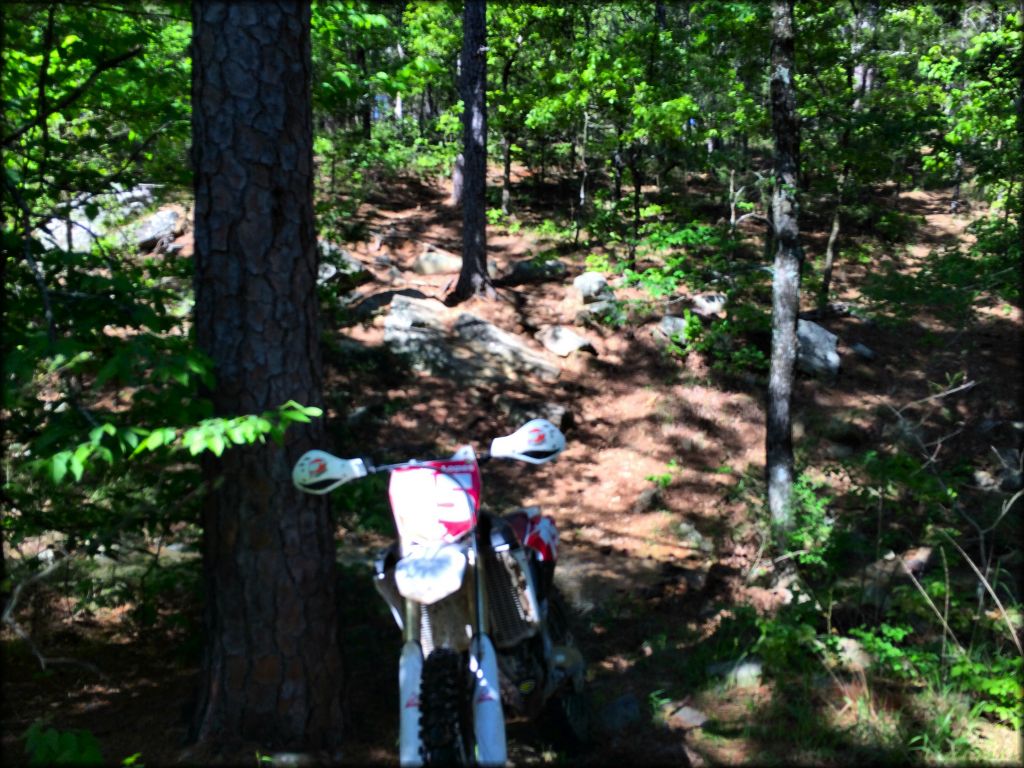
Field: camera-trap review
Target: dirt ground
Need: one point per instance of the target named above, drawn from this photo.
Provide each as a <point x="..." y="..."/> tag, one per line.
<point x="630" y="574"/>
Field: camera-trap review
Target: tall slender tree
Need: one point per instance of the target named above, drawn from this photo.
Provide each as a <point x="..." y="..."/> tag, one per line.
<point x="272" y="668"/>
<point x="473" y="279"/>
<point x="786" y="280"/>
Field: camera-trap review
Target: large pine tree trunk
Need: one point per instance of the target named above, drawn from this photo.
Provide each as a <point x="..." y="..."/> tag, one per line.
<point x="786" y="282"/>
<point x="271" y="670"/>
<point x="473" y="278"/>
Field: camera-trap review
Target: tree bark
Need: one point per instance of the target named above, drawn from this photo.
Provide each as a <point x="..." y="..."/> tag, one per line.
<point x="271" y="669"/>
<point x="786" y="281"/>
<point x="507" y="137"/>
<point x="473" y="279"/>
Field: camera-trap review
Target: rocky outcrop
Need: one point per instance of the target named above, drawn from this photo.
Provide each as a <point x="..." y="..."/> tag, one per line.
<point x="466" y="349"/>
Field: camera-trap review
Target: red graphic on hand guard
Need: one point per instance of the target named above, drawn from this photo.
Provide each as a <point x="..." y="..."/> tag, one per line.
<point x="318" y="467"/>
<point x="537" y="436"/>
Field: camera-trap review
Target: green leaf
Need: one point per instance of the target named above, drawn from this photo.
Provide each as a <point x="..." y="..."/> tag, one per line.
<point x="59" y="465"/>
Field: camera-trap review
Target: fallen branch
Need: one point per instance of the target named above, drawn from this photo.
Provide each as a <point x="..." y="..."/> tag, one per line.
<point x="8" y="619"/>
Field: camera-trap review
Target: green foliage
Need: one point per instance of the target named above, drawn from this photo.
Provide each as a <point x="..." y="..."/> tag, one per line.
<point x="664" y="480"/>
<point x="48" y="746"/>
<point x="811" y="535"/>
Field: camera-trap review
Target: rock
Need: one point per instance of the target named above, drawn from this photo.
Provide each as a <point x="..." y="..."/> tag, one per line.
<point x="593" y="312"/>
<point x="437" y="262"/>
<point x="705" y="304"/>
<point x="845" y="432"/>
<point x="563" y="341"/>
<point x="501" y="354"/>
<point x="693" y="538"/>
<point x="535" y="271"/>
<point x="687" y="718"/>
<point x="619" y="714"/>
<point x="649" y="499"/>
<point x="816" y="349"/>
<point x="863" y="352"/>
<point x="984" y="480"/>
<point x="470" y="349"/>
<point x="416" y="328"/>
<point x="325" y="273"/>
<point x="592" y="287"/>
<point x="158" y="228"/>
<point x="520" y="411"/>
<point x="93" y="216"/>
<point x="337" y="264"/>
<point x="741" y="673"/>
<point x="668" y="326"/>
<point x="174" y="249"/>
<point x="872" y="585"/>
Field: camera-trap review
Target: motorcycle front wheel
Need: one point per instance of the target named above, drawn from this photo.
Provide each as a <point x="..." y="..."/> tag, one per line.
<point x="446" y="730"/>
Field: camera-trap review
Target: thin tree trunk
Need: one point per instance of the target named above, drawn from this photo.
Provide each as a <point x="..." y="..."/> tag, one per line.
<point x="1020" y="141"/>
<point x="786" y="280"/>
<point x="830" y="248"/>
<point x="473" y="279"/>
<point x="638" y="183"/>
<point x="366" y="109"/>
<point x="506" y="173"/>
<point x="583" y="176"/>
<point x="271" y="670"/>
<point x="506" y="143"/>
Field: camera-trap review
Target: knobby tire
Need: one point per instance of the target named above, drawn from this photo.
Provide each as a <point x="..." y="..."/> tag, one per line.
<point x="445" y="695"/>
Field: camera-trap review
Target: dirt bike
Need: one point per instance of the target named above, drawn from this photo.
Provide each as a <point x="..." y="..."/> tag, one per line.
<point x="484" y="630"/>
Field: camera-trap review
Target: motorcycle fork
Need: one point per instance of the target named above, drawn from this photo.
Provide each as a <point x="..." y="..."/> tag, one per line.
<point x="410" y="671"/>
<point x="488" y="717"/>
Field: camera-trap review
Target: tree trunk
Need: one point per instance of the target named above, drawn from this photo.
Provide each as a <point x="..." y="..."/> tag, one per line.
<point x="473" y="279"/>
<point x="271" y="669"/>
<point x="584" y="170"/>
<point x="506" y="173"/>
<point x="366" y="106"/>
<point x="506" y="142"/>
<point x="458" y="175"/>
<point x="786" y="281"/>
<point x="635" y="161"/>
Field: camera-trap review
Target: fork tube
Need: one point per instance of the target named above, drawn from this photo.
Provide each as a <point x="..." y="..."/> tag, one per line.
<point x="488" y="717"/>
<point x="410" y="670"/>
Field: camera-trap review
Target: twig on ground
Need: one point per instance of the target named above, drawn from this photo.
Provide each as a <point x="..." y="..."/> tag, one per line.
<point x="988" y="588"/>
<point x="8" y="619"/>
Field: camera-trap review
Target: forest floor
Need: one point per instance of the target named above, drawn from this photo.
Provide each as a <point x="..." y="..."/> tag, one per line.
<point x="650" y="595"/>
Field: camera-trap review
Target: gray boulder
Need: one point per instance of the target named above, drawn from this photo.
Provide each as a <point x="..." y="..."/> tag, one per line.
<point x="592" y="286"/>
<point x="741" y="673"/>
<point x="705" y="304"/>
<point x="471" y="349"/>
<point x="158" y="229"/>
<point x="591" y="314"/>
<point x="563" y="341"/>
<point x="687" y="718"/>
<point x="337" y="264"/>
<point x="498" y="353"/>
<point x="816" y="349"/>
<point x="535" y="271"/>
<point x="668" y="326"/>
<point x="434" y="261"/>
<point x="416" y="328"/>
<point x="94" y="216"/>
<point x="863" y="352"/>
